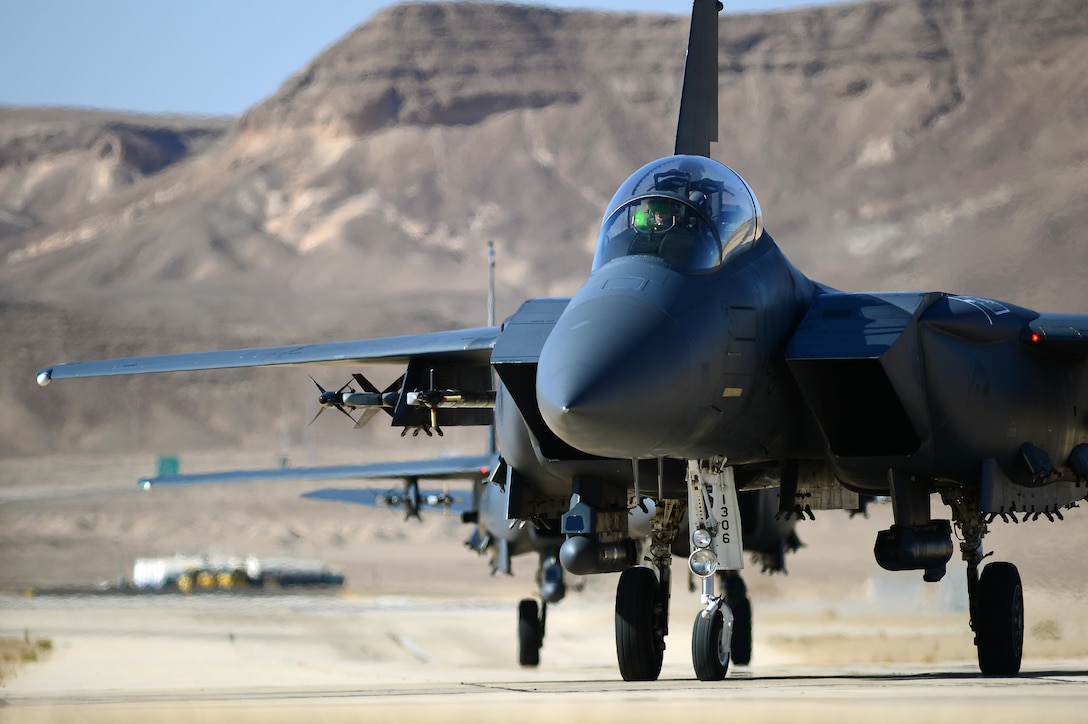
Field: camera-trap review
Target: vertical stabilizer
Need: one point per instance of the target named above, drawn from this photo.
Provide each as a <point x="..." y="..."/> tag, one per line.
<point x="698" y="122"/>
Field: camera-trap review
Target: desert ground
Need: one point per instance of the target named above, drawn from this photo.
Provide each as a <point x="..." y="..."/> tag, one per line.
<point x="422" y="628"/>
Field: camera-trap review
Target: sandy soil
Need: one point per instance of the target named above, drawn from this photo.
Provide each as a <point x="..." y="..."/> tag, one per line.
<point x="395" y="658"/>
<point x="81" y="521"/>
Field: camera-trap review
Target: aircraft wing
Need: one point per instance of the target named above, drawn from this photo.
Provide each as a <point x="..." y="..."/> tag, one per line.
<point x="468" y="467"/>
<point x="434" y="500"/>
<point x="462" y="346"/>
<point x="451" y="468"/>
<point x="1061" y="334"/>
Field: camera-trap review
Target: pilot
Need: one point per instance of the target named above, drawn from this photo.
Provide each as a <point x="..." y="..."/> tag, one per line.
<point x="660" y="229"/>
<point x="657" y="215"/>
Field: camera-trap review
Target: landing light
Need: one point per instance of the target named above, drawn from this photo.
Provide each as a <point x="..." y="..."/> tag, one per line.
<point x="703" y="562"/>
<point x="701" y="538"/>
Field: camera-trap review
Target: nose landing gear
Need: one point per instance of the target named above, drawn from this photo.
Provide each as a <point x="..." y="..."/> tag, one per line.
<point x="710" y="640"/>
<point x="642" y="598"/>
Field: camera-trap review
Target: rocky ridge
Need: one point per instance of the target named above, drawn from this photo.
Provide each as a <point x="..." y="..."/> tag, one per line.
<point x="892" y="145"/>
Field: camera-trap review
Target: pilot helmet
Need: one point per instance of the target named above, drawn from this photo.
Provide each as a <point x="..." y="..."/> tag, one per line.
<point x="656" y="215"/>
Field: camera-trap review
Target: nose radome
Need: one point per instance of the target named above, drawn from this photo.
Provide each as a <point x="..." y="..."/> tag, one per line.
<point x="612" y="377"/>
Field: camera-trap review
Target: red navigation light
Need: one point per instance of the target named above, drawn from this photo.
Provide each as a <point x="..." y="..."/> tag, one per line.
<point x="484" y="470"/>
<point x="1035" y="337"/>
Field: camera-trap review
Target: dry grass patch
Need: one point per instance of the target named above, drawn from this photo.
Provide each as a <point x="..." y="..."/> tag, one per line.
<point x="15" y="652"/>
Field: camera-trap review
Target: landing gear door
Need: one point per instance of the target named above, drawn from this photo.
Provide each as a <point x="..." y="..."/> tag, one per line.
<point x="712" y="504"/>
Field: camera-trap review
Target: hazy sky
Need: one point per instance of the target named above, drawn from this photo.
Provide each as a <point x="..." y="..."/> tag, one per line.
<point x="195" y="56"/>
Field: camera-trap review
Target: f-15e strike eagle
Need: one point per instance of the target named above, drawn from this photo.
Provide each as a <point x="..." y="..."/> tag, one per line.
<point x="767" y="534"/>
<point x="696" y="361"/>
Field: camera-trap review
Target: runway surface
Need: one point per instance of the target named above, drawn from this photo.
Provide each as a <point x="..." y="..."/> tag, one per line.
<point x="344" y="658"/>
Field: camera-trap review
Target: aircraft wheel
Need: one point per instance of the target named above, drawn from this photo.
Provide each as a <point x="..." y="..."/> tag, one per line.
<point x="740" y="648"/>
<point x="529" y="634"/>
<point x="736" y="595"/>
<point x="999" y="633"/>
<point x="639" y="648"/>
<point x="710" y="646"/>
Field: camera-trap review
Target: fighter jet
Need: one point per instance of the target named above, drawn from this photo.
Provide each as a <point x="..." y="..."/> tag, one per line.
<point x="696" y="361"/>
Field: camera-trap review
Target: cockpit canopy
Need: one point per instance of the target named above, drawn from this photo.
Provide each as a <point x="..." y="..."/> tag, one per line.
<point x="691" y="211"/>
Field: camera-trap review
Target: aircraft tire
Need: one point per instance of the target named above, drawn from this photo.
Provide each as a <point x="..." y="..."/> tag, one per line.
<point x="999" y="634"/>
<point x="710" y="647"/>
<point x="740" y="648"/>
<point x="639" y="648"/>
<point x="529" y="638"/>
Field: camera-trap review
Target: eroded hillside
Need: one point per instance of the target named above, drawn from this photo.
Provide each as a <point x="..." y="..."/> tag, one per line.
<point x="891" y="144"/>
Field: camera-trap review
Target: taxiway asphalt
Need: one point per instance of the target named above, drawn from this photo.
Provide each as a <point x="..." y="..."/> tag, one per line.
<point x="319" y="658"/>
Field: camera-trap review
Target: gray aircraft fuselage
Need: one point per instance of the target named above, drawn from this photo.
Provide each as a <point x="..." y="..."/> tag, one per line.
<point x="649" y="361"/>
<point x="757" y="363"/>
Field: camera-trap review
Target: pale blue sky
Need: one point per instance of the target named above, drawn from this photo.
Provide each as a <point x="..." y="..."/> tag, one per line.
<point x="211" y="57"/>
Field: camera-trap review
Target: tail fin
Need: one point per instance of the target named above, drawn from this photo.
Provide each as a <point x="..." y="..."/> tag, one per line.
<point x="698" y="122"/>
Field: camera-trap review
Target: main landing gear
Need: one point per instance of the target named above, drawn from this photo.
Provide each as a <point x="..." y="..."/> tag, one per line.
<point x="532" y="616"/>
<point x="997" y="616"/>
<point x="916" y="542"/>
<point x="642" y="601"/>
<point x="996" y="596"/>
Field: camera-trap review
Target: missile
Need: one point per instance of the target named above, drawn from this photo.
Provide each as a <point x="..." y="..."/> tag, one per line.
<point x="421" y="398"/>
<point x="452" y="398"/>
<point x="365" y="399"/>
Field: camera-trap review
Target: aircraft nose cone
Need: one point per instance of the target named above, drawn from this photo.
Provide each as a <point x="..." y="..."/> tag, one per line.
<point x="613" y="376"/>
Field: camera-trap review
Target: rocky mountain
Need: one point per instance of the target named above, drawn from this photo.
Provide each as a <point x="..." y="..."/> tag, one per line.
<point x="56" y="163"/>
<point x="892" y="144"/>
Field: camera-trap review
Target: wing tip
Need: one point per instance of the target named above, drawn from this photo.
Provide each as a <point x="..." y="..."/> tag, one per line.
<point x="44" y="376"/>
